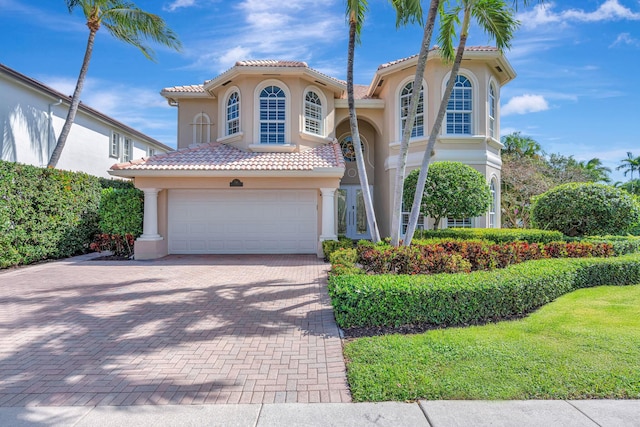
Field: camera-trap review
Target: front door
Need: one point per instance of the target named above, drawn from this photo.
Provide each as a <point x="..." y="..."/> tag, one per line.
<point x="352" y="217"/>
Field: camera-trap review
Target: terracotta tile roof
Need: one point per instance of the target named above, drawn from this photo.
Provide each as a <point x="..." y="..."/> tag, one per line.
<point x="187" y="88"/>
<point x="271" y="63"/>
<point x="435" y="48"/>
<point x="221" y="157"/>
<point x="359" y="92"/>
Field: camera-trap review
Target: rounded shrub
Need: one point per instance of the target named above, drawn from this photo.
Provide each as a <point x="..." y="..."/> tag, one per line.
<point x="581" y="209"/>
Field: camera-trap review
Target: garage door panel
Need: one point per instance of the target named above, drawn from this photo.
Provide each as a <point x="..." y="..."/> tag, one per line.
<point x="254" y="221"/>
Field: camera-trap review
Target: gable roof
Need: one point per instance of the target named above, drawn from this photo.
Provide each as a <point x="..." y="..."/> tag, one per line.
<point x="218" y="157"/>
<point x="48" y="91"/>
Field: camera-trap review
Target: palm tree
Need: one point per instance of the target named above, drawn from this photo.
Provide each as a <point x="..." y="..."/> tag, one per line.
<point x="596" y="170"/>
<point x="630" y="165"/>
<point x="498" y="21"/>
<point x="406" y="11"/>
<point x="521" y="146"/>
<point x="124" y="21"/>
<point x="411" y="115"/>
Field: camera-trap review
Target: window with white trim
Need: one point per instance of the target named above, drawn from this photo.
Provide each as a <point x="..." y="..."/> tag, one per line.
<point x="494" y="204"/>
<point x="201" y="128"/>
<point x="114" y="146"/>
<point x="459" y="107"/>
<point x="459" y="222"/>
<point x="127" y="149"/>
<point x="492" y="111"/>
<point x="233" y="114"/>
<point x="312" y="113"/>
<point x="405" y="99"/>
<point x="151" y="151"/>
<point x="272" y="115"/>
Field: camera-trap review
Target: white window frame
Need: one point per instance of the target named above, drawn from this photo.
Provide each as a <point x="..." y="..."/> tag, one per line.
<point x="151" y="151"/>
<point x="474" y="102"/>
<point x="404" y="100"/>
<point x="492" y="110"/>
<point x="287" y="111"/>
<point x="232" y="126"/>
<point x="459" y="222"/>
<point x="114" y="145"/>
<point x="127" y="149"/>
<point x="493" y="208"/>
<point x="309" y="108"/>
<point x="201" y="120"/>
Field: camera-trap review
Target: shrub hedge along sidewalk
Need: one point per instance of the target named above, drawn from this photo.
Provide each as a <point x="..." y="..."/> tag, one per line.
<point x="469" y="298"/>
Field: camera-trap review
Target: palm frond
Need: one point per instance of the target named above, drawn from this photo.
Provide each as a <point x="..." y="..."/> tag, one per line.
<point x="497" y="20"/>
<point x="407" y="12"/>
<point x="356" y="12"/>
<point x="448" y="22"/>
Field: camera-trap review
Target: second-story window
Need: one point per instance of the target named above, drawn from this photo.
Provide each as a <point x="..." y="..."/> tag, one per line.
<point x="127" y="150"/>
<point x="312" y="113"/>
<point x="114" y="147"/>
<point x="405" y="99"/>
<point x="201" y="128"/>
<point x="272" y="115"/>
<point x="459" y="108"/>
<point x="233" y="114"/>
<point x="492" y="111"/>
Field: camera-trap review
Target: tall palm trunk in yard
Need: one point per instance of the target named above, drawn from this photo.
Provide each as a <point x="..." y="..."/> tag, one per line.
<point x="411" y="117"/>
<point x="498" y="22"/>
<point x="355" y="133"/>
<point x="124" y="21"/>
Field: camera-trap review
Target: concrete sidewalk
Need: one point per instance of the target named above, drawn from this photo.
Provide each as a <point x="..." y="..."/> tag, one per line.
<point x="546" y="413"/>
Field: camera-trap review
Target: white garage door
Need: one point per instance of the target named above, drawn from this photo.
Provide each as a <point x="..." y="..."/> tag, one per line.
<point x="242" y="221"/>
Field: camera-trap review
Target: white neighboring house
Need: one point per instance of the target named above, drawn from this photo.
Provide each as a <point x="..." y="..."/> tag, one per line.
<point x="31" y="118"/>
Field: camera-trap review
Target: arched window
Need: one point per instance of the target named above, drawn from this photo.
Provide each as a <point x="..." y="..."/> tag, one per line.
<point x="492" y="111"/>
<point x="460" y="107"/>
<point x="201" y="128"/>
<point x="272" y="115"/>
<point x="348" y="150"/>
<point x="494" y="204"/>
<point x="233" y="113"/>
<point x="405" y="99"/>
<point x="313" y="113"/>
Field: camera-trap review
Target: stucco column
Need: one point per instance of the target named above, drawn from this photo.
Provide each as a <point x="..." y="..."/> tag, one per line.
<point x="328" y="214"/>
<point x="150" y="221"/>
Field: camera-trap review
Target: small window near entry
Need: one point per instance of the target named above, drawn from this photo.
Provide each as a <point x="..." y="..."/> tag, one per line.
<point x="151" y="151"/>
<point x="312" y="113"/>
<point x="127" y="150"/>
<point x="459" y="222"/>
<point x="494" y="205"/>
<point x="114" y="147"/>
<point x="233" y="114"/>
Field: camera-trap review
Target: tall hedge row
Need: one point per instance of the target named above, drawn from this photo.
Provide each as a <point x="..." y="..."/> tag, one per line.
<point x="45" y="213"/>
<point x="50" y="213"/>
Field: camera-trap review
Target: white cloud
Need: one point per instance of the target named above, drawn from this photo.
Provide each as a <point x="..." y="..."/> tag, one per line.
<point x="625" y="39"/>
<point x="544" y="14"/>
<point x="272" y="29"/>
<point x="63" y="22"/>
<point x="177" y="4"/>
<point x="524" y="104"/>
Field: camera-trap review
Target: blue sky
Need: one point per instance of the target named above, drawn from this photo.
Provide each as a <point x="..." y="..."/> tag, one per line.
<point x="576" y="60"/>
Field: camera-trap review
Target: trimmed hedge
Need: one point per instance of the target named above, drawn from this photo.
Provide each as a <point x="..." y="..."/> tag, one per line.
<point x="461" y="299"/>
<point x="497" y="235"/>
<point x="622" y="245"/>
<point x="45" y="213"/>
<point x="121" y="211"/>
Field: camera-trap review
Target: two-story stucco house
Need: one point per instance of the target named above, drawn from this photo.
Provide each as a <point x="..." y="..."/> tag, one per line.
<point x="32" y="116"/>
<point x="265" y="162"/>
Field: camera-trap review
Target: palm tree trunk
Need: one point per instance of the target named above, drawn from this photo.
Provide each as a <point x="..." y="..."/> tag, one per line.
<point x="424" y="169"/>
<point x="75" y="101"/>
<point x="408" y="127"/>
<point x="355" y="136"/>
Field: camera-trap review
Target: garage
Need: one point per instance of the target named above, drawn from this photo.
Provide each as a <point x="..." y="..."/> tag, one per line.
<point x="239" y="221"/>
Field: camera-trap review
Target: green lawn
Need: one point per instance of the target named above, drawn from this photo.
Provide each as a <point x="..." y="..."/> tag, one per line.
<point x="584" y="345"/>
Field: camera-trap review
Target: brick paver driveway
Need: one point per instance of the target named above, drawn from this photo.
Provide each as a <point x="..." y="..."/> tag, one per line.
<point x="181" y="330"/>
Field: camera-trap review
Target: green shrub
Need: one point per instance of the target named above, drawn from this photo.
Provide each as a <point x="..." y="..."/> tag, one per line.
<point x="452" y="189"/>
<point x="496" y="235"/>
<point x="460" y="299"/>
<point x="45" y="213"/>
<point x="343" y="261"/>
<point x="621" y="245"/>
<point x="330" y="246"/>
<point x="116" y="183"/>
<point x="121" y="211"/>
<point x="581" y="209"/>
